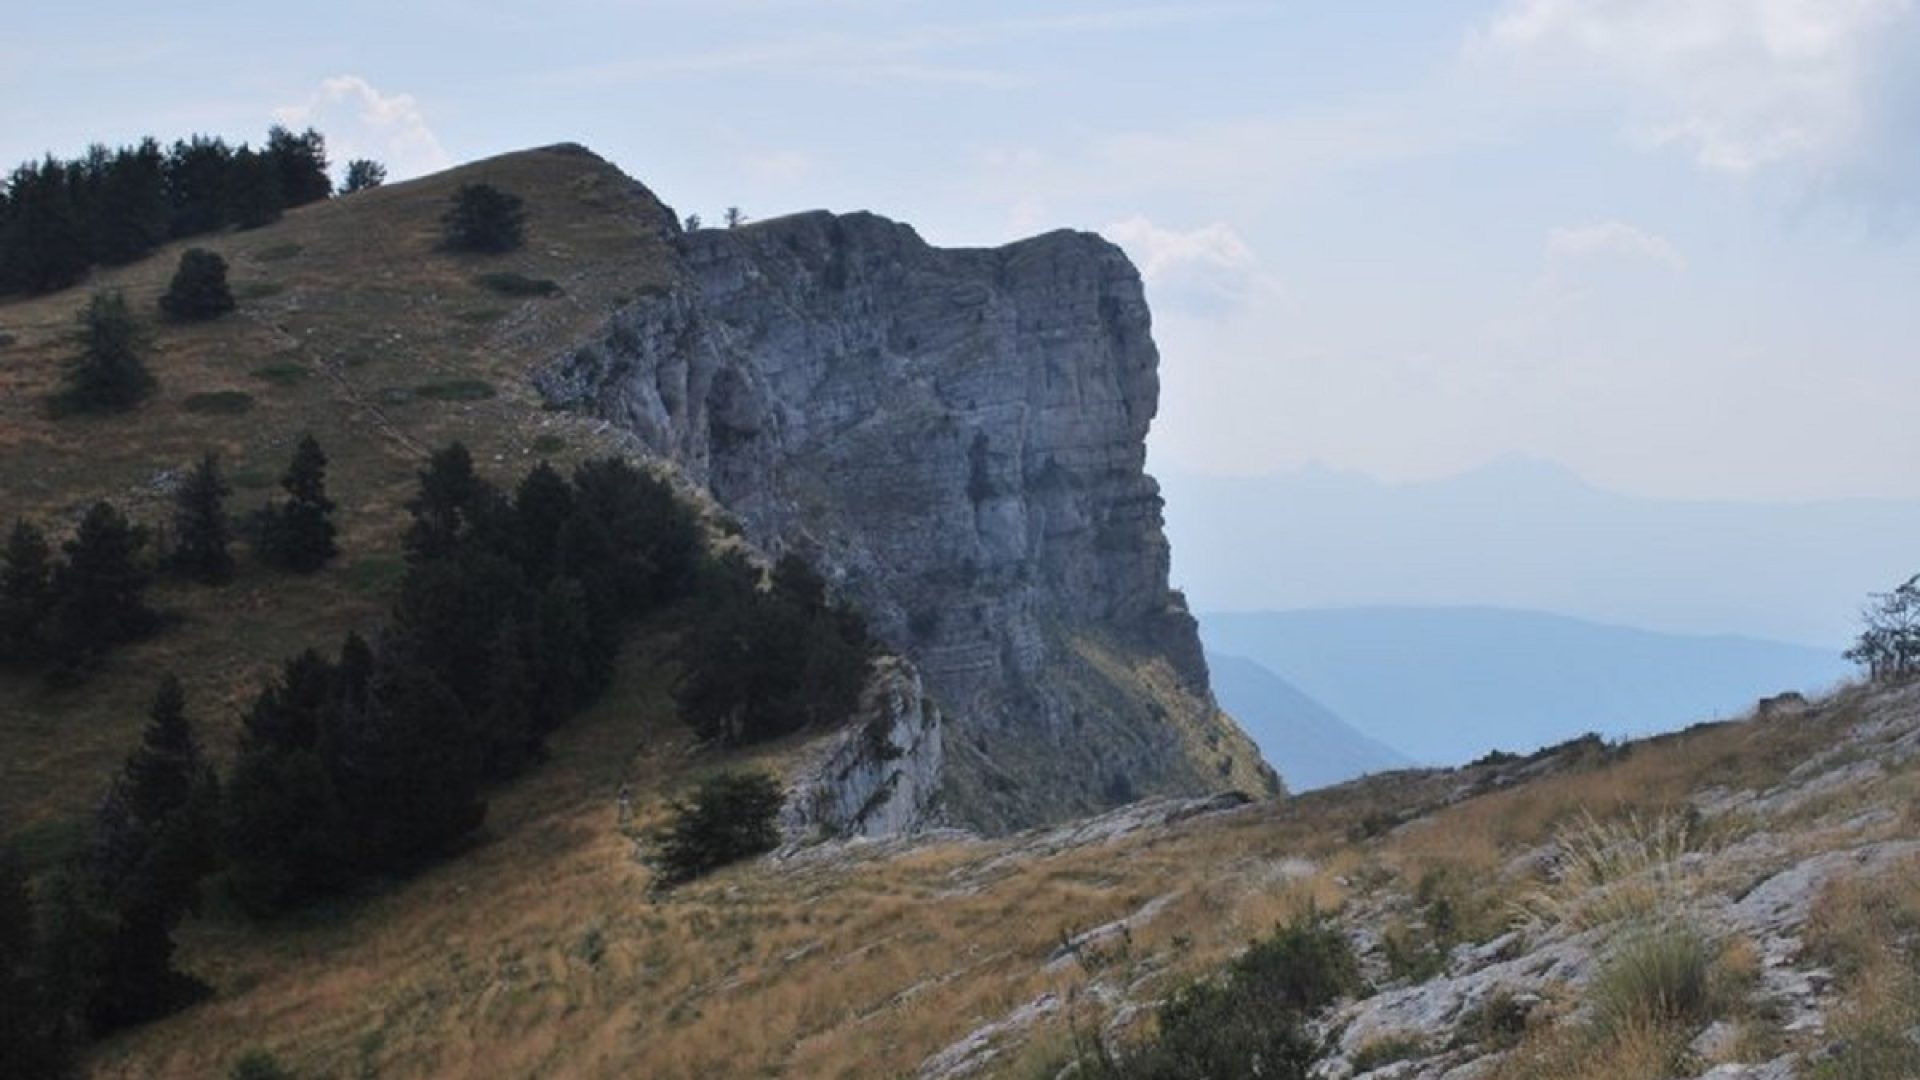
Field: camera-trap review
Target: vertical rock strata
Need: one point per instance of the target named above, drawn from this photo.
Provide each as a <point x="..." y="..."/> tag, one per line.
<point x="957" y="437"/>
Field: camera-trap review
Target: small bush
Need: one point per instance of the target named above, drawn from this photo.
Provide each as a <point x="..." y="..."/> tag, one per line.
<point x="1658" y="977"/>
<point x="1388" y="1050"/>
<point x="455" y="390"/>
<point x="218" y="402"/>
<point x="484" y="219"/>
<point x="278" y="252"/>
<point x="508" y="283"/>
<point x="199" y="288"/>
<point x="731" y="817"/>
<point x="285" y="373"/>
<point x="259" y="1065"/>
<point x="1252" y="1022"/>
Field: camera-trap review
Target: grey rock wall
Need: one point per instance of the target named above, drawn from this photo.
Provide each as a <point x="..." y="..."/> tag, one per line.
<point x="957" y="437"/>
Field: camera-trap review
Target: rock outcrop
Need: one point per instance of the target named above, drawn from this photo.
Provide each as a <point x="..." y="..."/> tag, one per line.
<point x="957" y="438"/>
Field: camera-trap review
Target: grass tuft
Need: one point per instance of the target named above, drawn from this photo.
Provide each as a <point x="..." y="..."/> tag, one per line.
<point x="508" y="283"/>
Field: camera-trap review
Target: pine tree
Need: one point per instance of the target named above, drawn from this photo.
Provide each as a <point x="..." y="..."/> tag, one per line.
<point x="45" y="244"/>
<point x="98" y="591"/>
<point x="154" y="839"/>
<point x="298" y="534"/>
<point x="26" y="593"/>
<point x="510" y="722"/>
<point x="410" y="764"/>
<point x="31" y="1041"/>
<point x="541" y="505"/>
<point x="453" y="505"/>
<point x="285" y="837"/>
<point x="197" y="182"/>
<point x="128" y="217"/>
<point x="200" y="527"/>
<point x="199" y="288"/>
<point x="300" y="163"/>
<point x="108" y="373"/>
<point x="484" y="219"/>
<point x="253" y="197"/>
<point x="363" y="174"/>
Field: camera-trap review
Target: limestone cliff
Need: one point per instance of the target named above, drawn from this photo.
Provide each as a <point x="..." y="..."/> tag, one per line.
<point x="957" y="438"/>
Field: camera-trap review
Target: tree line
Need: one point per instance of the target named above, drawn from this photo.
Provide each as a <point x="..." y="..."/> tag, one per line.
<point x="60" y="217"/>
<point x="368" y="761"/>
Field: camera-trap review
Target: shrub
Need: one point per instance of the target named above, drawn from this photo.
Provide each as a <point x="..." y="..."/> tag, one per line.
<point x="484" y="219"/>
<point x="508" y="283"/>
<point x="199" y="288"/>
<point x="259" y="1065"/>
<point x="218" y="402"/>
<point x="1662" y="976"/>
<point x="1252" y="1022"/>
<point x="363" y="174"/>
<point x="731" y="817"/>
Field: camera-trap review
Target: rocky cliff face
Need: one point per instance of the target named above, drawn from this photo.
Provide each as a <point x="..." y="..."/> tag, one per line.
<point x="957" y="438"/>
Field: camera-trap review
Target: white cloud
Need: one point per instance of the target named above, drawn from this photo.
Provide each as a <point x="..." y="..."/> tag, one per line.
<point x="1209" y="268"/>
<point x="359" y="121"/>
<point x="1741" y="84"/>
<point x="1614" y="238"/>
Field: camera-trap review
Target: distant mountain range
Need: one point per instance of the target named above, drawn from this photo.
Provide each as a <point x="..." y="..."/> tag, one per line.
<point x="1526" y="534"/>
<point x="1445" y="685"/>
<point x="1302" y="738"/>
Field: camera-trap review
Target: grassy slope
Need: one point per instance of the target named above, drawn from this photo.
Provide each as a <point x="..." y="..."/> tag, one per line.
<point x="541" y="954"/>
<point x="346" y="310"/>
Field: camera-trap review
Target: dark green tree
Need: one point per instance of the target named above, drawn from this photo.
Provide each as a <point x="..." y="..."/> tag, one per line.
<point x="199" y="288"/>
<point x="541" y="505"/>
<point x="99" y="590"/>
<point x="44" y="246"/>
<point x="107" y="374"/>
<point x="484" y="219"/>
<point x="363" y="174"/>
<point x="731" y="816"/>
<point x="200" y="532"/>
<point x="298" y="534"/>
<point x="32" y="1042"/>
<point x="410" y="764"/>
<point x="155" y="837"/>
<point x="26" y="593"/>
<point x="285" y="832"/>
<point x="128" y="214"/>
<point x="300" y="163"/>
<point x="254" y="197"/>
<point x="450" y="610"/>
<point x="453" y="505"/>
<point x="198" y="184"/>
<point x="510" y="719"/>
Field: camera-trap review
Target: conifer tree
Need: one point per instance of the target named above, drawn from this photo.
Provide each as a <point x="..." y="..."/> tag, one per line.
<point x="199" y="288"/>
<point x="253" y="197"/>
<point x="154" y="839"/>
<point x="509" y="721"/>
<point x="26" y="592"/>
<point x="31" y="1041"/>
<point x="98" y="601"/>
<point x="128" y="215"/>
<point x="298" y="534"/>
<point x="201" y="535"/>
<point x="453" y="505"/>
<point x="300" y="165"/>
<point x="108" y="373"/>
<point x="541" y="505"/>
<point x="197" y="182"/>
<point x="363" y="174"/>
<point x="410" y="764"/>
<point x="45" y="244"/>
<point x="285" y="835"/>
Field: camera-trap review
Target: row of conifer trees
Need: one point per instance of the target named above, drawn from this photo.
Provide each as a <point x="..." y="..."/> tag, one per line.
<point x="365" y="762"/>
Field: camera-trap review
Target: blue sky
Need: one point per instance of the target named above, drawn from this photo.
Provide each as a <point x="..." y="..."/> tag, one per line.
<point x="1668" y="244"/>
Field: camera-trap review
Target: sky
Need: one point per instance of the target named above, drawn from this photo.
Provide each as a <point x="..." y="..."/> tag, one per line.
<point x="1671" y="245"/>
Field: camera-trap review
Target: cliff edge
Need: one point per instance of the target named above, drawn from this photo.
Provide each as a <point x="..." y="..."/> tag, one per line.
<point x="958" y="438"/>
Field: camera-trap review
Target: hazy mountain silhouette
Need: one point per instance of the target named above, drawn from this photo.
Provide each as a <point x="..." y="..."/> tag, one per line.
<point x="1446" y="685"/>
<point x="1526" y="534"/>
<point x="1305" y="740"/>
